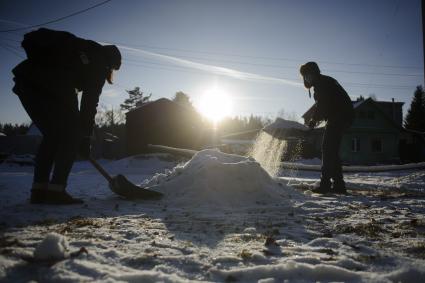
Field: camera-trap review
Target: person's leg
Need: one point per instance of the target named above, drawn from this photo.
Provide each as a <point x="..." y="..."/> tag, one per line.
<point x="325" y="182"/>
<point x="67" y="132"/>
<point x="337" y="176"/>
<point x="44" y="160"/>
<point x="67" y="147"/>
<point x="57" y="118"/>
<point x="37" y="109"/>
<point x="333" y="168"/>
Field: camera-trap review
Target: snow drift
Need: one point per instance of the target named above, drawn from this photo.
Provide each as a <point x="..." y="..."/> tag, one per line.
<point x="213" y="178"/>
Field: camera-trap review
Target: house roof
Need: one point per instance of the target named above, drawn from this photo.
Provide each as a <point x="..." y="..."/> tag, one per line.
<point x="283" y="124"/>
<point x="376" y="105"/>
<point x="158" y="101"/>
<point x="358" y="103"/>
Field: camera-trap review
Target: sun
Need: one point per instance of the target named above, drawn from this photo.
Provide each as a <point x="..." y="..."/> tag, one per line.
<point x="215" y="104"/>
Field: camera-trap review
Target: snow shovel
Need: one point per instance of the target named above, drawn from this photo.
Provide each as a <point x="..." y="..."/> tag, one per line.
<point x="123" y="187"/>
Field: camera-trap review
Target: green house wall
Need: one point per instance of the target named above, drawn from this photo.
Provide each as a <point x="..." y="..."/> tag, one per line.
<point x="368" y="125"/>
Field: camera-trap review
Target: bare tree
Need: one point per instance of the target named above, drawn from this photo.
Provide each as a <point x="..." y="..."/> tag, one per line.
<point x="291" y="116"/>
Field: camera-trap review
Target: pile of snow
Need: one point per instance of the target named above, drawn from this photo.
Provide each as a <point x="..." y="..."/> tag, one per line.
<point x="34" y="131"/>
<point x="148" y="163"/>
<point x="213" y="178"/>
<point x="53" y="247"/>
<point x="282" y="124"/>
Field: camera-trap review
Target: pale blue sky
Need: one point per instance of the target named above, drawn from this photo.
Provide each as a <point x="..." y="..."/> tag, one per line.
<point x="370" y="47"/>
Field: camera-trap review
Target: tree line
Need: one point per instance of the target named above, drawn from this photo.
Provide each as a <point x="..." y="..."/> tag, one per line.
<point x="10" y="129"/>
<point x="112" y="120"/>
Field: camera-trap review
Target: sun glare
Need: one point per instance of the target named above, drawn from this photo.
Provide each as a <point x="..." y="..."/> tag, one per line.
<point x="215" y="104"/>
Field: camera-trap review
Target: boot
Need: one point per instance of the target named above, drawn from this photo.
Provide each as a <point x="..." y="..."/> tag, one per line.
<point x="339" y="187"/>
<point x="38" y="193"/>
<point x="323" y="188"/>
<point x="56" y="194"/>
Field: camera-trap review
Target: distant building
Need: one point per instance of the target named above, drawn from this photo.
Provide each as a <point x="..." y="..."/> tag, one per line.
<point x="292" y="132"/>
<point x="375" y="135"/>
<point x="164" y="122"/>
<point x="21" y="144"/>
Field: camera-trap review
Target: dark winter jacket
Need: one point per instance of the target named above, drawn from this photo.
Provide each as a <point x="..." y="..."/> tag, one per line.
<point x="88" y="75"/>
<point x="332" y="102"/>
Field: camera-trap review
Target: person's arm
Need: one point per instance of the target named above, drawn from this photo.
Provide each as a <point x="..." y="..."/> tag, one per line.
<point x="322" y="96"/>
<point x="88" y="105"/>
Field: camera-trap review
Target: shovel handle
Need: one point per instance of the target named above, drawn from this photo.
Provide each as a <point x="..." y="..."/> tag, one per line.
<point x="100" y="169"/>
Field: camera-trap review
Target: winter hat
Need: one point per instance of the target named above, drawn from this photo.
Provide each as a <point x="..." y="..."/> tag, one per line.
<point x="309" y="68"/>
<point x="113" y="56"/>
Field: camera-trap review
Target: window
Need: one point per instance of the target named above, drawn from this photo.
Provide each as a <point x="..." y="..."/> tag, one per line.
<point x="376" y="145"/>
<point x="355" y="145"/>
<point x="362" y="115"/>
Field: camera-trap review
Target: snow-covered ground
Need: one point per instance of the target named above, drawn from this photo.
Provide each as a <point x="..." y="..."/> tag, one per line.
<point x="222" y="219"/>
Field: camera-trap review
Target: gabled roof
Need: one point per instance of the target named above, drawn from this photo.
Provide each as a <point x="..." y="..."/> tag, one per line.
<point x="358" y="103"/>
<point x="159" y="101"/>
<point x="283" y="124"/>
<point x="376" y="105"/>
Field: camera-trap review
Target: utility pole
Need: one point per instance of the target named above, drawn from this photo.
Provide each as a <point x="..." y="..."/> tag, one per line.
<point x="423" y="33"/>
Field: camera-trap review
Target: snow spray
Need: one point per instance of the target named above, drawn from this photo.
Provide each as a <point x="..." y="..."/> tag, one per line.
<point x="271" y="147"/>
<point x="268" y="151"/>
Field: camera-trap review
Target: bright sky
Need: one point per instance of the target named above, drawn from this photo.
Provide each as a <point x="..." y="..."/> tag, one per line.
<point x="250" y="50"/>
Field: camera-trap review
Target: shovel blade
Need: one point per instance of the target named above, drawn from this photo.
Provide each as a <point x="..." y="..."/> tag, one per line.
<point x="123" y="187"/>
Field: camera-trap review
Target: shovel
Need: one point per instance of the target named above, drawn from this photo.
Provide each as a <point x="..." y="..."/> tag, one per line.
<point x="123" y="187"/>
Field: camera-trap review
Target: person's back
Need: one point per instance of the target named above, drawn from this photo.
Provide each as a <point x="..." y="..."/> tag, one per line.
<point x="333" y="101"/>
<point x="58" y="59"/>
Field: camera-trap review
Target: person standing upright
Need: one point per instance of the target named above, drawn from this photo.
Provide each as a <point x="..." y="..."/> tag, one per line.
<point x="333" y="105"/>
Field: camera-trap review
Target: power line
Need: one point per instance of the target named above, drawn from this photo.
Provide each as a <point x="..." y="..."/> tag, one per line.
<point x="267" y="58"/>
<point x="296" y="68"/>
<point x="58" y="19"/>
<point x="16" y="48"/>
<point x="148" y="64"/>
<point x="290" y="67"/>
<point x="12" y="51"/>
<point x="9" y="39"/>
<point x="158" y="66"/>
<point x="284" y="67"/>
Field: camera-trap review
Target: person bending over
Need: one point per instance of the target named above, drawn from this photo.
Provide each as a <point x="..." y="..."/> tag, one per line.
<point x="59" y="65"/>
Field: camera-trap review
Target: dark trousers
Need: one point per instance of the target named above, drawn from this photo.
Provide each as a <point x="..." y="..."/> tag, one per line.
<point x="331" y="162"/>
<point x="56" y="116"/>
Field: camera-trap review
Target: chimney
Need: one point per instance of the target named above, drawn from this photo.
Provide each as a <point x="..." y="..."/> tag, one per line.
<point x="393" y="110"/>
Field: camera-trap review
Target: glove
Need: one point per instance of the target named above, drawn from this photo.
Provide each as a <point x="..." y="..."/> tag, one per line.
<point x="84" y="149"/>
<point x="312" y="124"/>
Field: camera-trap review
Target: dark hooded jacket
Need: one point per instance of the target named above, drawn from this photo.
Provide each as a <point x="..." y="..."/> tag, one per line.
<point x="332" y="102"/>
<point x="87" y="73"/>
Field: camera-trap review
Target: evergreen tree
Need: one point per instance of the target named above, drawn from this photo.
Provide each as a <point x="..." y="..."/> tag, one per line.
<point x="182" y="98"/>
<point x="415" y="118"/>
<point x="10" y="129"/>
<point x="136" y="98"/>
